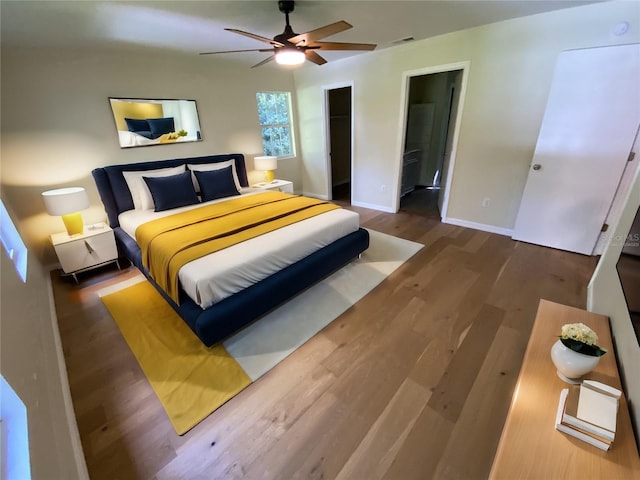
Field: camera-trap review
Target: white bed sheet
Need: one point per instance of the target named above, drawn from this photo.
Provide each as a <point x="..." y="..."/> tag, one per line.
<point x="216" y="276"/>
<point x="132" y="139"/>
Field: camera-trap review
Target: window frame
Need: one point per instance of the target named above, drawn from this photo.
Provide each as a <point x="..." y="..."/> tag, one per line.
<point x="289" y="125"/>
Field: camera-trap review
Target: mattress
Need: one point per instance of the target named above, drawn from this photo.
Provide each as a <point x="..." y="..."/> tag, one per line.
<point x="216" y="276"/>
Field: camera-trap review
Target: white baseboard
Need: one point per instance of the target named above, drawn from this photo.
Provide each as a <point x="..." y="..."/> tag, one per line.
<point x="69" y="413"/>
<point x="478" y="226"/>
<point x="315" y="195"/>
<point x="381" y="208"/>
<point x="453" y="221"/>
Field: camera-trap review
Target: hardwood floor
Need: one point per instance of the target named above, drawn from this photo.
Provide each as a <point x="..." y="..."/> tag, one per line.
<point x="421" y="201"/>
<point x="412" y="382"/>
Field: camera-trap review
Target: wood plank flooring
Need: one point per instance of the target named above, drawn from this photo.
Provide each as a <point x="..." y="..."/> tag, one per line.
<point x="412" y="382"/>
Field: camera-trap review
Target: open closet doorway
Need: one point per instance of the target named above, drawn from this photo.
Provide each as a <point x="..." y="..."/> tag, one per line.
<point x="339" y="120"/>
<point x="432" y="107"/>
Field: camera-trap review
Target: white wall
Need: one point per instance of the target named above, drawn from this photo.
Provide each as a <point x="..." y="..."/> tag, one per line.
<point x="510" y="75"/>
<point x="605" y="296"/>
<point x="57" y="124"/>
<point x="56" y="127"/>
<point x="30" y="364"/>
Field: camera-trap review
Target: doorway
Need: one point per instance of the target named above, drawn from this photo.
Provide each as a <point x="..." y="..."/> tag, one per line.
<point x="339" y="111"/>
<point x="432" y="104"/>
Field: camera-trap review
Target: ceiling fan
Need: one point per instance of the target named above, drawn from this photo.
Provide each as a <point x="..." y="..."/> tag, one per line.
<point x="290" y="48"/>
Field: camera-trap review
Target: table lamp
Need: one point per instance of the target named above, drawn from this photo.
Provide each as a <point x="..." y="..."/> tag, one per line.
<point x="67" y="202"/>
<point x="268" y="165"/>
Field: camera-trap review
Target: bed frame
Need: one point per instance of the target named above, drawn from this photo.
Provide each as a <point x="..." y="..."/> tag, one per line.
<point x="224" y="318"/>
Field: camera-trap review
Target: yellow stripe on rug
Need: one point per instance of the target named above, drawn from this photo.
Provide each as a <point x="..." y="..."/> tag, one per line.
<point x="190" y="379"/>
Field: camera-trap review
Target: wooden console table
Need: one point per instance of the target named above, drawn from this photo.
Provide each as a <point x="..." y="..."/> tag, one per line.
<point x="530" y="447"/>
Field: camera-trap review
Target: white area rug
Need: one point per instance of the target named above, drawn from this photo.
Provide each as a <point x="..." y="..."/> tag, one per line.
<point x="265" y="343"/>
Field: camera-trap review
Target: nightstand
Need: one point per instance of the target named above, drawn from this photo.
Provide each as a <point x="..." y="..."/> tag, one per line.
<point x="277" y="185"/>
<point x="94" y="247"/>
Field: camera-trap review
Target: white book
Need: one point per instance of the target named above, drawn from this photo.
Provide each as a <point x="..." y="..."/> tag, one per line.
<point x="598" y="404"/>
<point x="572" y="418"/>
<point x="573" y="432"/>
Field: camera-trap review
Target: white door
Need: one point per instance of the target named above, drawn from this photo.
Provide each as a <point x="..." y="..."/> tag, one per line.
<point x="620" y="198"/>
<point x="456" y="88"/>
<point x="587" y="132"/>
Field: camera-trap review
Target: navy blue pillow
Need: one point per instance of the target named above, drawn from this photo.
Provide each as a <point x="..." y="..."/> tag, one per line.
<point x="172" y="192"/>
<point x="160" y="126"/>
<point x="216" y="183"/>
<point x="136" y="125"/>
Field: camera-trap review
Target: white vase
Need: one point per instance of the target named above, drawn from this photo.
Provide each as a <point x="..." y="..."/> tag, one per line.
<point x="571" y="365"/>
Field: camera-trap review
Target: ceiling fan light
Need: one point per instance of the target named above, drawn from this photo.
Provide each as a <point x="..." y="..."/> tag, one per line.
<point x="290" y="57"/>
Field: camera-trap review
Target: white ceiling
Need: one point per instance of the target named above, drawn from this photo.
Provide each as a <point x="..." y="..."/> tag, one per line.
<point x="190" y="27"/>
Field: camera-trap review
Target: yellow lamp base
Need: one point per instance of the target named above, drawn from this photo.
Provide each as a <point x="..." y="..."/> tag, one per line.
<point x="269" y="175"/>
<point x="73" y="223"/>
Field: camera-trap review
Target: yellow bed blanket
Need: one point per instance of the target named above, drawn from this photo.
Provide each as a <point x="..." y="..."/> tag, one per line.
<point x="170" y="242"/>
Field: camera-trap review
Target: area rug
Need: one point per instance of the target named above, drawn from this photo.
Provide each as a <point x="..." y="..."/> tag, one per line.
<point x="192" y="380"/>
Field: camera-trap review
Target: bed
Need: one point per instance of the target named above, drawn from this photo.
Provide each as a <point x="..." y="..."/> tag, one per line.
<point x="219" y="294"/>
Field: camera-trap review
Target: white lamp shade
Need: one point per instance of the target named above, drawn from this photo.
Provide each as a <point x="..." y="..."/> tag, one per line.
<point x="265" y="163"/>
<point x="65" y="200"/>
<point x="290" y="57"/>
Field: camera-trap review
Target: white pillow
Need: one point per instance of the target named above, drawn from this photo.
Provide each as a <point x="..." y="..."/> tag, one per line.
<point x="205" y="167"/>
<point x="142" y="199"/>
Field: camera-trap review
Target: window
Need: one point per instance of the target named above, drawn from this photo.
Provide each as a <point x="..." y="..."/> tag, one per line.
<point x="274" y="113"/>
<point x="14" y="434"/>
<point x="13" y="244"/>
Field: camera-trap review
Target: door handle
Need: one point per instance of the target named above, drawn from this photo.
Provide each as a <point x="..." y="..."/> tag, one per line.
<point x="537" y="166"/>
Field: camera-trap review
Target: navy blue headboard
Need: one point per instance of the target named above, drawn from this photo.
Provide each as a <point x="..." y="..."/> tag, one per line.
<point x="114" y="191"/>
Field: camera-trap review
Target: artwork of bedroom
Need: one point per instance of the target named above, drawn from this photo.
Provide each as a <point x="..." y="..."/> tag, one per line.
<point x="315" y="239"/>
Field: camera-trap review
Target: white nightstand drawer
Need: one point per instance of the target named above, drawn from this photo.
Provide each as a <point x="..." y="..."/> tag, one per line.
<point x="285" y="188"/>
<point x="87" y="252"/>
<point x="277" y="185"/>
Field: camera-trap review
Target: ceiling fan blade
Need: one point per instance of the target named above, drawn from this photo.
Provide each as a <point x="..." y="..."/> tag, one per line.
<point x="344" y="46"/>
<point x="266" y="60"/>
<point x="318" y="34"/>
<point x="236" y="51"/>
<point x="312" y="56"/>
<point x="256" y="37"/>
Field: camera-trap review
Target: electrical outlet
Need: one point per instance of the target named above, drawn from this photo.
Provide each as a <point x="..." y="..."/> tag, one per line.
<point x="486" y="201"/>
<point x="383" y="188"/>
